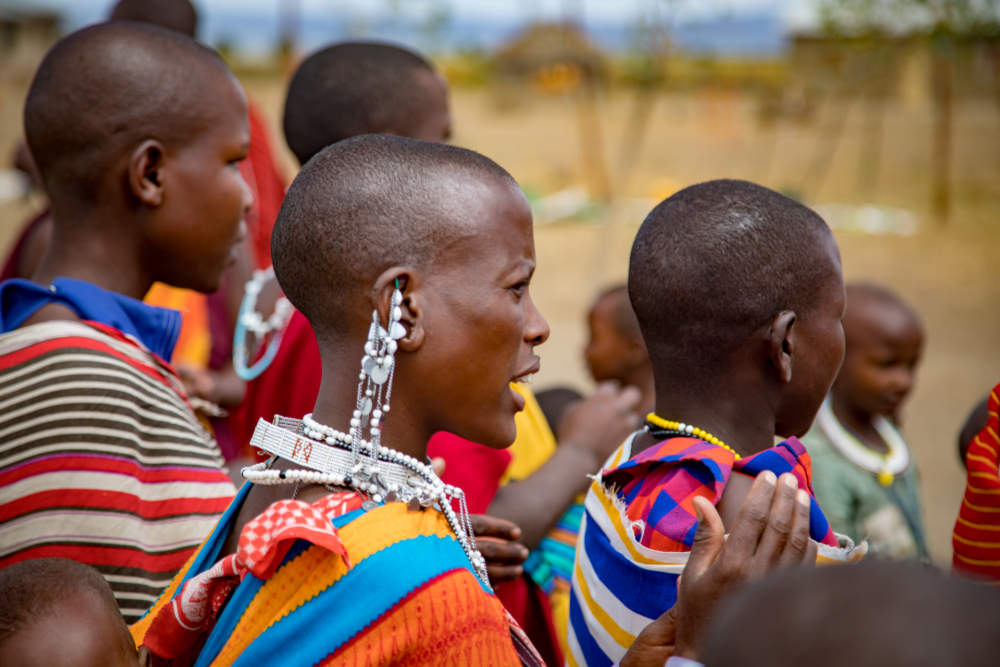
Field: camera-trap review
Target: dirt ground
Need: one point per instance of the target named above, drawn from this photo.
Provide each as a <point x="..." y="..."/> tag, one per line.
<point x="950" y="275"/>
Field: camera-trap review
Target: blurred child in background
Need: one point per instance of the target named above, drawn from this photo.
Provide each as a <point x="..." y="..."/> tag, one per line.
<point x="616" y="350"/>
<point x="864" y="474"/>
<point x="58" y="612"/>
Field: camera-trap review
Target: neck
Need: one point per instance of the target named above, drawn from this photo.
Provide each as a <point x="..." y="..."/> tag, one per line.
<point x="642" y="379"/>
<point x="740" y="416"/>
<point x="92" y="248"/>
<point x="403" y="430"/>
<point x="857" y="420"/>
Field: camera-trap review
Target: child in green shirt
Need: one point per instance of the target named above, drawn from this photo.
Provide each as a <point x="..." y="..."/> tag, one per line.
<point x="864" y="475"/>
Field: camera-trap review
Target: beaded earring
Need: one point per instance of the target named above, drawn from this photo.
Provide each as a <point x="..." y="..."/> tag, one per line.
<point x="366" y="465"/>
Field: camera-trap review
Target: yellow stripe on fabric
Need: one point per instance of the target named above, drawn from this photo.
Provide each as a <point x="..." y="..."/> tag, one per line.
<point x="992" y="432"/>
<point x="977" y="526"/>
<point x="979" y="508"/>
<point x="616" y="520"/>
<point x="975" y="457"/>
<point x="316" y="569"/>
<point x="985" y="492"/>
<point x="971" y="561"/>
<point x="140" y="627"/>
<point x="615" y="631"/>
<point x="535" y="443"/>
<point x="973" y="543"/>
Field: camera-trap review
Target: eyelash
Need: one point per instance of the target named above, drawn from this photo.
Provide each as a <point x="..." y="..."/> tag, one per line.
<point x="520" y="287"/>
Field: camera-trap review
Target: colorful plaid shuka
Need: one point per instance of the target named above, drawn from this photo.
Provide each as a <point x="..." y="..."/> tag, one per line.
<point x="976" y="540"/>
<point x="637" y="532"/>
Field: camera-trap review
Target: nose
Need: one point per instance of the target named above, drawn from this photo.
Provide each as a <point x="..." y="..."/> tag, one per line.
<point x="247" y="193"/>
<point x="536" y="329"/>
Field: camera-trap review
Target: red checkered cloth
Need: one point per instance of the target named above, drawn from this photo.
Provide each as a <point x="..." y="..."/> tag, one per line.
<point x="176" y="634"/>
<point x="659" y="486"/>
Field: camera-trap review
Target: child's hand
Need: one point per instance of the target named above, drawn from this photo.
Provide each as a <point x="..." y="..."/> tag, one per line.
<point x="771" y="531"/>
<point x="597" y="425"/>
<point x="495" y="539"/>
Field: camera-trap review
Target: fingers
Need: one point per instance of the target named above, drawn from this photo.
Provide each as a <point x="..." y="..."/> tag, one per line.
<point x="798" y="544"/>
<point x="708" y="539"/>
<point x="779" y="524"/>
<point x="501" y="573"/>
<point x="629" y="398"/>
<point x="752" y="519"/>
<point x="499" y="552"/>
<point x="490" y="526"/>
<point x="811" y="553"/>
<point x="438" y="465"/>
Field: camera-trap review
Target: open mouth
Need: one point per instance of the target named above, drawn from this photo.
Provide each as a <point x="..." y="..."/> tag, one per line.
<point x="527" y="376"/>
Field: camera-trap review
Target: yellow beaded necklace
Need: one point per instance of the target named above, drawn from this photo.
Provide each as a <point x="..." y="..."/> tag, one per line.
<point x="679" y="427"/>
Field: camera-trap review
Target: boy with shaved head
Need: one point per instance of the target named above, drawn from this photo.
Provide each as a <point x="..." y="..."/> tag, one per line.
<point x="864" y="475"/>
<point x="739" y="296"/>
<point x="137" y="132"/>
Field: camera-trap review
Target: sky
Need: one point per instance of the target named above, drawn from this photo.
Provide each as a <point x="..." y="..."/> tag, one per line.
<point x="252" y="25"/>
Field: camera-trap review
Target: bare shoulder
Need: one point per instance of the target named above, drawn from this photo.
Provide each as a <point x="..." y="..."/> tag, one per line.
<point x="732" y="498"/>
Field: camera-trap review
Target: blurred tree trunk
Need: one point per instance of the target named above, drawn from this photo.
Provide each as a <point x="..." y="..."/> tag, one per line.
<point x="942" y="136"/>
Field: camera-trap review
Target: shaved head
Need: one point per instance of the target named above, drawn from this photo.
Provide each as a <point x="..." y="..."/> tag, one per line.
<point x="870" y="614"/>
<point x="368" y="204"/>
<point x="179" y="15"/>
<point x="355" y="88"/>
<point x="102" y="91"/>
<point x="717" y="261"/>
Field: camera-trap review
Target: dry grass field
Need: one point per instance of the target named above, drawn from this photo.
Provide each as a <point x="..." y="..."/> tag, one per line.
<point x="951" y="275"/>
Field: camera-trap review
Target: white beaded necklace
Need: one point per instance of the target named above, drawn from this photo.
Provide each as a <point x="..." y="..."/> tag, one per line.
<point x="338" y="459"/>
<point x="251" y="320"/>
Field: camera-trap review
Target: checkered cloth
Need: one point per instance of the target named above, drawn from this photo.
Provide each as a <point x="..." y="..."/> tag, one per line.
<point x="660" y="484"/>
<point x="637" y="531"/>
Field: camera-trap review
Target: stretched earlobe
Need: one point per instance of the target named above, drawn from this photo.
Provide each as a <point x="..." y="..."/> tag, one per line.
<point x="781" y="344"/>
<point x="145" y="173"/>
<point x="411" y="306"/>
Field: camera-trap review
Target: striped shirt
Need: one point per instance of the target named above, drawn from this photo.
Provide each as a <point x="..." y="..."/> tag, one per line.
<point x="102" y="459"/>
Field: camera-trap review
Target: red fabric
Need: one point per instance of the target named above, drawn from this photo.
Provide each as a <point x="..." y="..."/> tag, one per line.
<point x="976" y="539"/>
<point x="474" y="468"/>
<point x="529" y="605"/>
<point x="289" y="386"/>
<point x="261" y="174"/>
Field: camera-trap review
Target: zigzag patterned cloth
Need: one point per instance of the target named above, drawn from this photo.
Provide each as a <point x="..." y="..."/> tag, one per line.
<point x="976" y="540"/>
<point x="406" y="596"/>
<point x="637" y="532"/>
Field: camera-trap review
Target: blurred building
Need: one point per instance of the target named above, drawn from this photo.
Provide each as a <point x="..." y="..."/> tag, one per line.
<point x="550" y="57"/>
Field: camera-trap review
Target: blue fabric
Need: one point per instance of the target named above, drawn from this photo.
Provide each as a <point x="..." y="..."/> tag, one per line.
<point x="371" y="588"/>
<point x="156" y="328"/>
<point x="645" y="592"/>
<point x="592" y="653"/>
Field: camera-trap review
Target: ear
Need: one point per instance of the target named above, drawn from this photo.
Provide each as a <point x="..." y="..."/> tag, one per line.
<point x="144" y="173"/>
<point x="781" y="344"/>
<point x="410" y="285"/>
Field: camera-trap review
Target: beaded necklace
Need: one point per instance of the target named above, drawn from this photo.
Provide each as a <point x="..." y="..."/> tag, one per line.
<point x="250" y="320"/>
<point x="659" y="427"/>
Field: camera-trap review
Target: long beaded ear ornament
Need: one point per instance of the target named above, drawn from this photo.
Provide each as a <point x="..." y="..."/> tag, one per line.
<point x="348" y="459"/>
